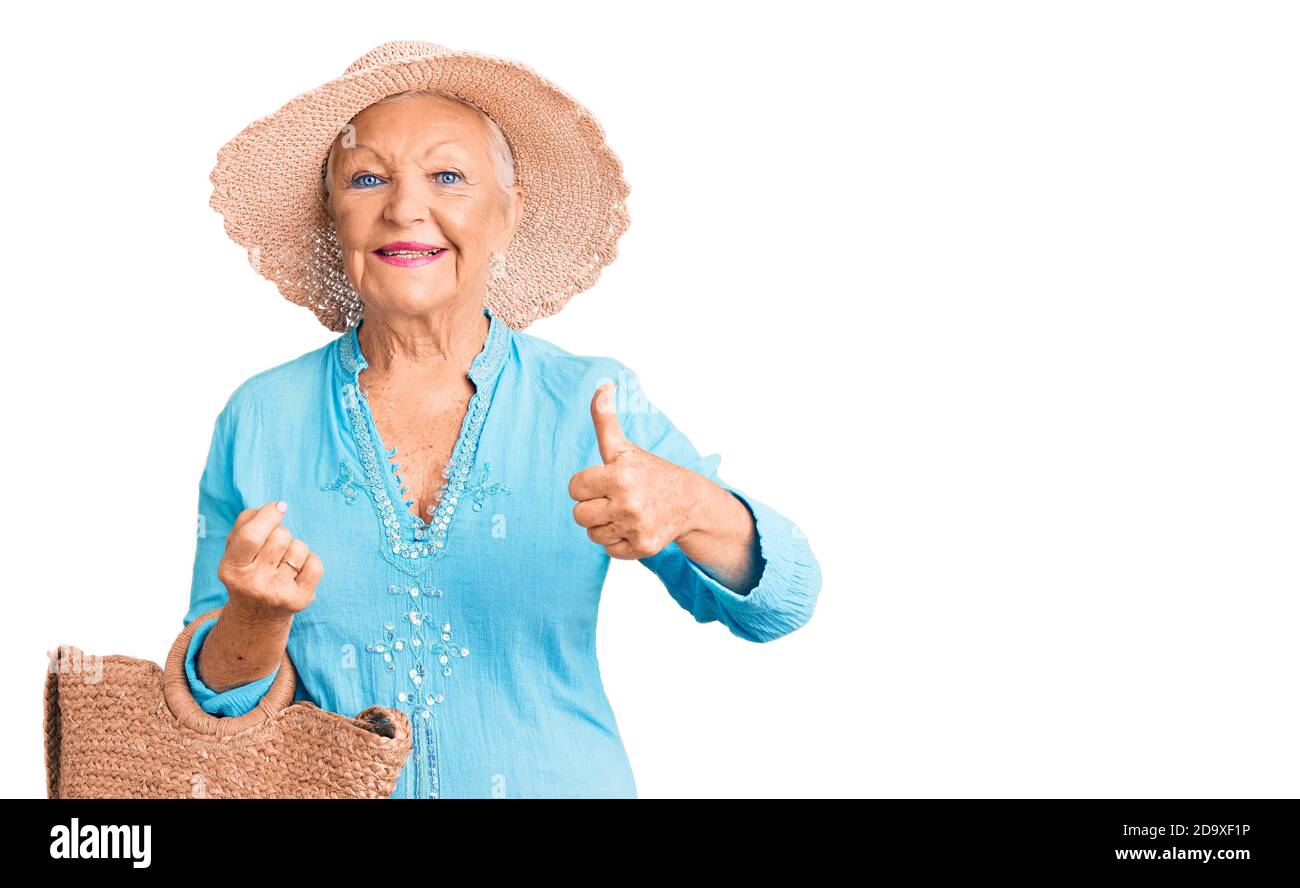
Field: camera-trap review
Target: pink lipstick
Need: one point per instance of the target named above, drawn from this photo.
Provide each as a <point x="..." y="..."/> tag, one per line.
<point x="408" y="254"/>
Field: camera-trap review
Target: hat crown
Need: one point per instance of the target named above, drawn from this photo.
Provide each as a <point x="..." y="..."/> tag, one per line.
<point x="396" y="51"/>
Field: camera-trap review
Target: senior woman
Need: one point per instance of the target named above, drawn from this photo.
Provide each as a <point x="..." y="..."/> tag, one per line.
<point x="428" y="205"/>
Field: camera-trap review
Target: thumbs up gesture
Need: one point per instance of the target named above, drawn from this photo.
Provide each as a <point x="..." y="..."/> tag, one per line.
<point x="635" y="502"/>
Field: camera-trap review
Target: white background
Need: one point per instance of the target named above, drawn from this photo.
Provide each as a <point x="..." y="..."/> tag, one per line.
<point x="997" y="300"/>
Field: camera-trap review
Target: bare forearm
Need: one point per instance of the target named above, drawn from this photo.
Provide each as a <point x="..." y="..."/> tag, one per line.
<point x="723" y="540"/>
<point x="244" y="646"/>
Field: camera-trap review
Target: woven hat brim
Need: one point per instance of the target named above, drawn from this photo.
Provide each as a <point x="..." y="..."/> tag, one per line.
<point x="266" y="184"/>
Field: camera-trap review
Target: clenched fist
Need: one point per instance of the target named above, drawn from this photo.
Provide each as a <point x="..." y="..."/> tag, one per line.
<point x="265" y="568"/>
<point x="635" y="503"/>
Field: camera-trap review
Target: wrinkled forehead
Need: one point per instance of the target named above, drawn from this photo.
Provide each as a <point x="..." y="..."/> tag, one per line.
<point x="420" y="129"/>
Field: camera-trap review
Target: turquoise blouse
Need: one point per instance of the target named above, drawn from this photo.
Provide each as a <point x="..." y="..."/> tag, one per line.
<point x="480" y="624"/>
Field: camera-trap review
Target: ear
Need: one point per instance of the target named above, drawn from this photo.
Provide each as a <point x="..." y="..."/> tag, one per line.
<point x="514" y="212"/>
<point x="324" y="177"/>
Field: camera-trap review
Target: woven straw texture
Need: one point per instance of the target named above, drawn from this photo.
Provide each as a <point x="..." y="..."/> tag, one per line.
<point x="267" y="182"/>
<point x="120" y="727"/>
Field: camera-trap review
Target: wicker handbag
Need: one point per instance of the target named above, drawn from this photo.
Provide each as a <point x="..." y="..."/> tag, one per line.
<point x="119" y="727"/>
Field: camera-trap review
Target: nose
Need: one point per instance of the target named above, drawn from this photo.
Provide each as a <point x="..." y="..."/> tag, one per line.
<point x="409" y="201"/>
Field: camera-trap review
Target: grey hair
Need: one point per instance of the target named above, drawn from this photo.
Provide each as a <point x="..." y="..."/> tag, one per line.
<point x="503" y="159"/>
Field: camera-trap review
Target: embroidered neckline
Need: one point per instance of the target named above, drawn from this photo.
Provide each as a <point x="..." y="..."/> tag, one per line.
<point x="410" y="543"/>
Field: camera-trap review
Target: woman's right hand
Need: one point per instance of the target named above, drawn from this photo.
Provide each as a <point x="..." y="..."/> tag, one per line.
<point x="270" y="576"/>
<point x="265" y="569"/>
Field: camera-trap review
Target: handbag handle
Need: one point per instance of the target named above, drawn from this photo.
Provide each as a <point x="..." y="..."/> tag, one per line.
<point x="180" y="699"/>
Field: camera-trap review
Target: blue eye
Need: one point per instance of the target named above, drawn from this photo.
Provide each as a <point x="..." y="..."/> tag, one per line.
<point x="358" y="181"/>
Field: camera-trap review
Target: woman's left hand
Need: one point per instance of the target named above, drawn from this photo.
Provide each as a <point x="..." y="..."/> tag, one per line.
<point x="635" y="503"/>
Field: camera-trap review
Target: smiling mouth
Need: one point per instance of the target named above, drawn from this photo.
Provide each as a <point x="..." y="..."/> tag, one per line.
<point x="409" y="253"/>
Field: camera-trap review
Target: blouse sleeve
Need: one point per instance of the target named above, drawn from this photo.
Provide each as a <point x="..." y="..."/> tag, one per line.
<point x="219" y="505"/>
<point x="787" y="589"/>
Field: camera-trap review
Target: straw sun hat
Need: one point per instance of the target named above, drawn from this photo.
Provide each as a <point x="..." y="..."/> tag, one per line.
<point x="268" y="182"/>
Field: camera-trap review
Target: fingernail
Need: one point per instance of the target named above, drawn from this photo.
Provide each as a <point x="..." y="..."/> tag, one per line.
<point x="282" y="505"/>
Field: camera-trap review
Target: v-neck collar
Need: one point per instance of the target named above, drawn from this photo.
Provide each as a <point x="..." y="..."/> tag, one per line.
<point x="408" y="542"/>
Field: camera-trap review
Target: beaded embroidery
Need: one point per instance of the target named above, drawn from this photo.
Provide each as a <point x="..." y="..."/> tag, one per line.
<point x="414" y="550"/>
<point x="418" y="700"/>
<point x="482" y="489"/>
<point x="343" y="484"/>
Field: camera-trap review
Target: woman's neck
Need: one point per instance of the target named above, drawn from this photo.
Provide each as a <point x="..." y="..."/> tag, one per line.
<point x="439" y="345"/>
